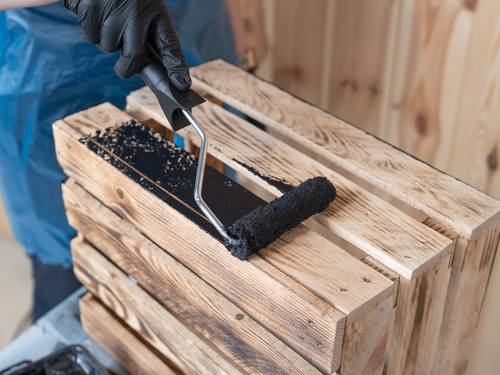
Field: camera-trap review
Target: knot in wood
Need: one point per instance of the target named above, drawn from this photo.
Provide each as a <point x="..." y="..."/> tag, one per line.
<point x="120" y="193"/>
<point x="421" y="125"/>
<point x="493" y="160"/>
<point x="470" y="4"/>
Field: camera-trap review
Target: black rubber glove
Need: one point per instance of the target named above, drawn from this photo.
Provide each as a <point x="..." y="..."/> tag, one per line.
<point x="128" y="26"/>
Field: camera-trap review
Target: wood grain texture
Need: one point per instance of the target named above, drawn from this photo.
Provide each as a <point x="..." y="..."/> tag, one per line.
<point x="484" y="351"/>
<point x="361" y="61"/>
<point x="143" y="314"/>
<point x="298" y="52"/>
<point x="383" y="270"/>
<point x="365" y="341"/>
<point x="475" y="143"/>
<point x="374" y="226"/>
<point x="253" y="17"/>
<point x="467" y="291"/>
<point x="118" y="341"/>
<point x="456" y="205"/>
<point x="440" y="229"/>
<point x="209" y="259"/>
<point x="447" y="85"/>
<point x="418" y="320"/>
<point x="228" y="328"/>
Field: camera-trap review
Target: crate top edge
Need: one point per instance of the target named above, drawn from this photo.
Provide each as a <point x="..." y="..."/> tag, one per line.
<point x="455" y="204"/>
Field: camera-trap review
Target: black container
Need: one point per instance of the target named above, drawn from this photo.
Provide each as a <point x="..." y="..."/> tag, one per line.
<point x="73" y="360"/>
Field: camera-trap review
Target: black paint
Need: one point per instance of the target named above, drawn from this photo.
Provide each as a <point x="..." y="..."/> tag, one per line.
<point x="169" y="173"/>
<point x="281" y="185"/>
<point x="160" y="167"/>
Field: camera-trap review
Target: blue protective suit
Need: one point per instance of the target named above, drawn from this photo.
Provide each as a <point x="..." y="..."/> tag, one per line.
<point x="48" y="71"/>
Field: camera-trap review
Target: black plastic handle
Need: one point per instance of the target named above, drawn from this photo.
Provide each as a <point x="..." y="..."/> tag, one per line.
<point x="171" y="99"/>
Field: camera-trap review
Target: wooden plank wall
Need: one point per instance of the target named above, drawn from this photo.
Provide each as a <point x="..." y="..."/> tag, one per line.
<point x="423" y="75"/>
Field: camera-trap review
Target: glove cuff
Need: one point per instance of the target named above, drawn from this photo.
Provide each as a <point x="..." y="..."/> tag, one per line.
<point x="72" y="5"/>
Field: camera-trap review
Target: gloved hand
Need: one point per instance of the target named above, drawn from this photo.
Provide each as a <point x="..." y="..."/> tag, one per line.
<point x="128" y="26"/>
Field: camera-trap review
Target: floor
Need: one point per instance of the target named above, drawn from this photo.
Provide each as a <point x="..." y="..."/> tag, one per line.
<point x="16" y="285"/>
<point x="59" y="328"/>
<point x="16" y="288"/>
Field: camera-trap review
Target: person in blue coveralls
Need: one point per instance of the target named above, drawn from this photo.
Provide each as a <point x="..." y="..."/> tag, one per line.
<point x="52" y="65"/>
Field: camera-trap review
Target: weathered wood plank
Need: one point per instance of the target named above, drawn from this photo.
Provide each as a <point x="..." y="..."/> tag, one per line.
<point x="383" y="270"/>
<point x="143" y="314"/>
<point x="118" y="341"/>
<point x="471" y="268"/>
<point x="228" y="328"/>
<point x="484" y="350"/>
<point x="418" y="320"/>
<point x="365" y="341"/>
<point x="209" y="259"/>
<point x="374" y="226"/>
<point x="469" y="279"/>
<point x="456" y="205"/>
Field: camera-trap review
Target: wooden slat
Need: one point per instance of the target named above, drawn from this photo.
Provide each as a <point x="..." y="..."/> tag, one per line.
<point x="298" y="52"/>
<point x="253" y="17"/>
<point x="475" y="155"/>
<point x="418" y="319"/>
<point x="471" y="268"/>
<point x="365" y="341"/>
<point x="156" y="325"/>
<point x="456" y="205"/>
<point x="228" y="328"/>
<point x="319" y="342"/>
<point x="374" y="226"/>
<point x="440" y="229"/>
<point x="383" y="270"/>
<point x="484" y="350"/>
<point x="468" y="282"/>
<point x="360" y="69"/>
<point x="445" y="91"/>
<point x="118" y="341"/>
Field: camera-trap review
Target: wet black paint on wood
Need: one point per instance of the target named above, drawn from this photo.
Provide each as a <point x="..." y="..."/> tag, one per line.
<point x="160" y="167"/>
<point x="280" y="184"/>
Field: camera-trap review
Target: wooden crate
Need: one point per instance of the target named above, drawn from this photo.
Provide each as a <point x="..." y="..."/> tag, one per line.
<point x="379" y="288"/>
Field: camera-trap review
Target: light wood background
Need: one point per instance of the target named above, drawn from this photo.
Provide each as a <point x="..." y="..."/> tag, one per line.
<point x="423" y="75"/>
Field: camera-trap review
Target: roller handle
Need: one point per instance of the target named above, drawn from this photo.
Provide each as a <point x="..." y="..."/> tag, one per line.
<point x="171" y="99"/>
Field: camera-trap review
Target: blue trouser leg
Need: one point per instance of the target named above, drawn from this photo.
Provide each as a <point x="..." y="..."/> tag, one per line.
<point x="52" y="285"/>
